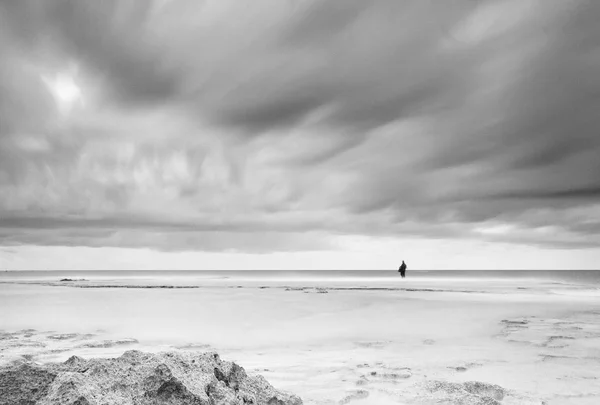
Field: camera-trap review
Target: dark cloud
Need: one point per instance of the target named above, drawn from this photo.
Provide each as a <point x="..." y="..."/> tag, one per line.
<point x="376" y="118"/>
<point x="206" y="235"/>
<point x="148" y="223"/>
<point x="369" y="65"/>
<point x="278" y="113"/>
<point x="215" y="241"/>
<point x="528" y="132"/>
<point x="565" y="193"/>
<point x="544" y="117"/>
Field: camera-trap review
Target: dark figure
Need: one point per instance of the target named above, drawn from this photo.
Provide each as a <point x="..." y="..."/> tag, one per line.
<point x="402" y="269"/>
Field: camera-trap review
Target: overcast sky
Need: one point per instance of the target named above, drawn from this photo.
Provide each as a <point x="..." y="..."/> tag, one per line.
<point x="299" y="134"/>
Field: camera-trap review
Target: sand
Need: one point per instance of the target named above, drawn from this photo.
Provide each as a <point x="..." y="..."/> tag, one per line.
<point x="331" y="341"/>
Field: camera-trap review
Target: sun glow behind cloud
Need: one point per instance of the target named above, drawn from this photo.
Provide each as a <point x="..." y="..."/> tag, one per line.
<point x="65" y="91"/>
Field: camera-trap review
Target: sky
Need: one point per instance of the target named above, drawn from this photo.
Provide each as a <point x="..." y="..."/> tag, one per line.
<point x="299" y="134"/>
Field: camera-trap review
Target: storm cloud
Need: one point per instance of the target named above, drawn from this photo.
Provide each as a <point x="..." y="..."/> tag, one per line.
<point x="280" y="125"/>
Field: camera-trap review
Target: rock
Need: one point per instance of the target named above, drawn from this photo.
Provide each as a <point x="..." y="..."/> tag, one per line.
<point x="515" y="322"/>
<point x="362" y="380"/>
<point x="467" y="393"/>
<point x="485" y="390"/>
<point x="356" y="395"/>
<point x="63" y="336"/>
<point x="24" y="384"/>
<point x="400" y="374"/>
<point x="139" y="378"/>
<point x="108" y="343"/>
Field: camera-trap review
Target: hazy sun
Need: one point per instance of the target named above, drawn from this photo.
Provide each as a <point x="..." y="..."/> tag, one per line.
<point x="65" y="91"/>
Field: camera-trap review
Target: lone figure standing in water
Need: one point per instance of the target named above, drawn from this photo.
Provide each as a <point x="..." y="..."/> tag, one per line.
<point x="402" y="269"/>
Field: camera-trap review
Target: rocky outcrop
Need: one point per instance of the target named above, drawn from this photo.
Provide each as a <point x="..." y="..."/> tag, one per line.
<point x="138" y="378"/>
<point x="467" y="393"/>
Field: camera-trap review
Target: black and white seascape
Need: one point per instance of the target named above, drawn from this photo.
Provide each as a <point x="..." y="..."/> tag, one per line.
<point x="286" y="202"/>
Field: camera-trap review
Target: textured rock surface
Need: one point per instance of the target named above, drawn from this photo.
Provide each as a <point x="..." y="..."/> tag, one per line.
<point x="467" y="393"/>
<point x="138" y="378"/>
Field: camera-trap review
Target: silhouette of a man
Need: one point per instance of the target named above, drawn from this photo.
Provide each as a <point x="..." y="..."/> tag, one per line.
<point x="402" y="269"/>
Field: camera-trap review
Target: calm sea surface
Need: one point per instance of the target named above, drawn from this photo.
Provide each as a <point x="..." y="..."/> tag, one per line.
<point x="567" y="276"/>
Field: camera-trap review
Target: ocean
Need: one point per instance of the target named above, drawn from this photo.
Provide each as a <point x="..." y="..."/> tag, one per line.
<point x="589" y="277"/>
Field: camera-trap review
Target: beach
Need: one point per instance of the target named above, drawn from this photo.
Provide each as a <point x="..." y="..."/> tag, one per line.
<point x="330" y="337"/>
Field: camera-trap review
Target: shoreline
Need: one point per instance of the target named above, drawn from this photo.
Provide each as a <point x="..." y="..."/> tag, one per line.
<point x="351" y="345"/>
